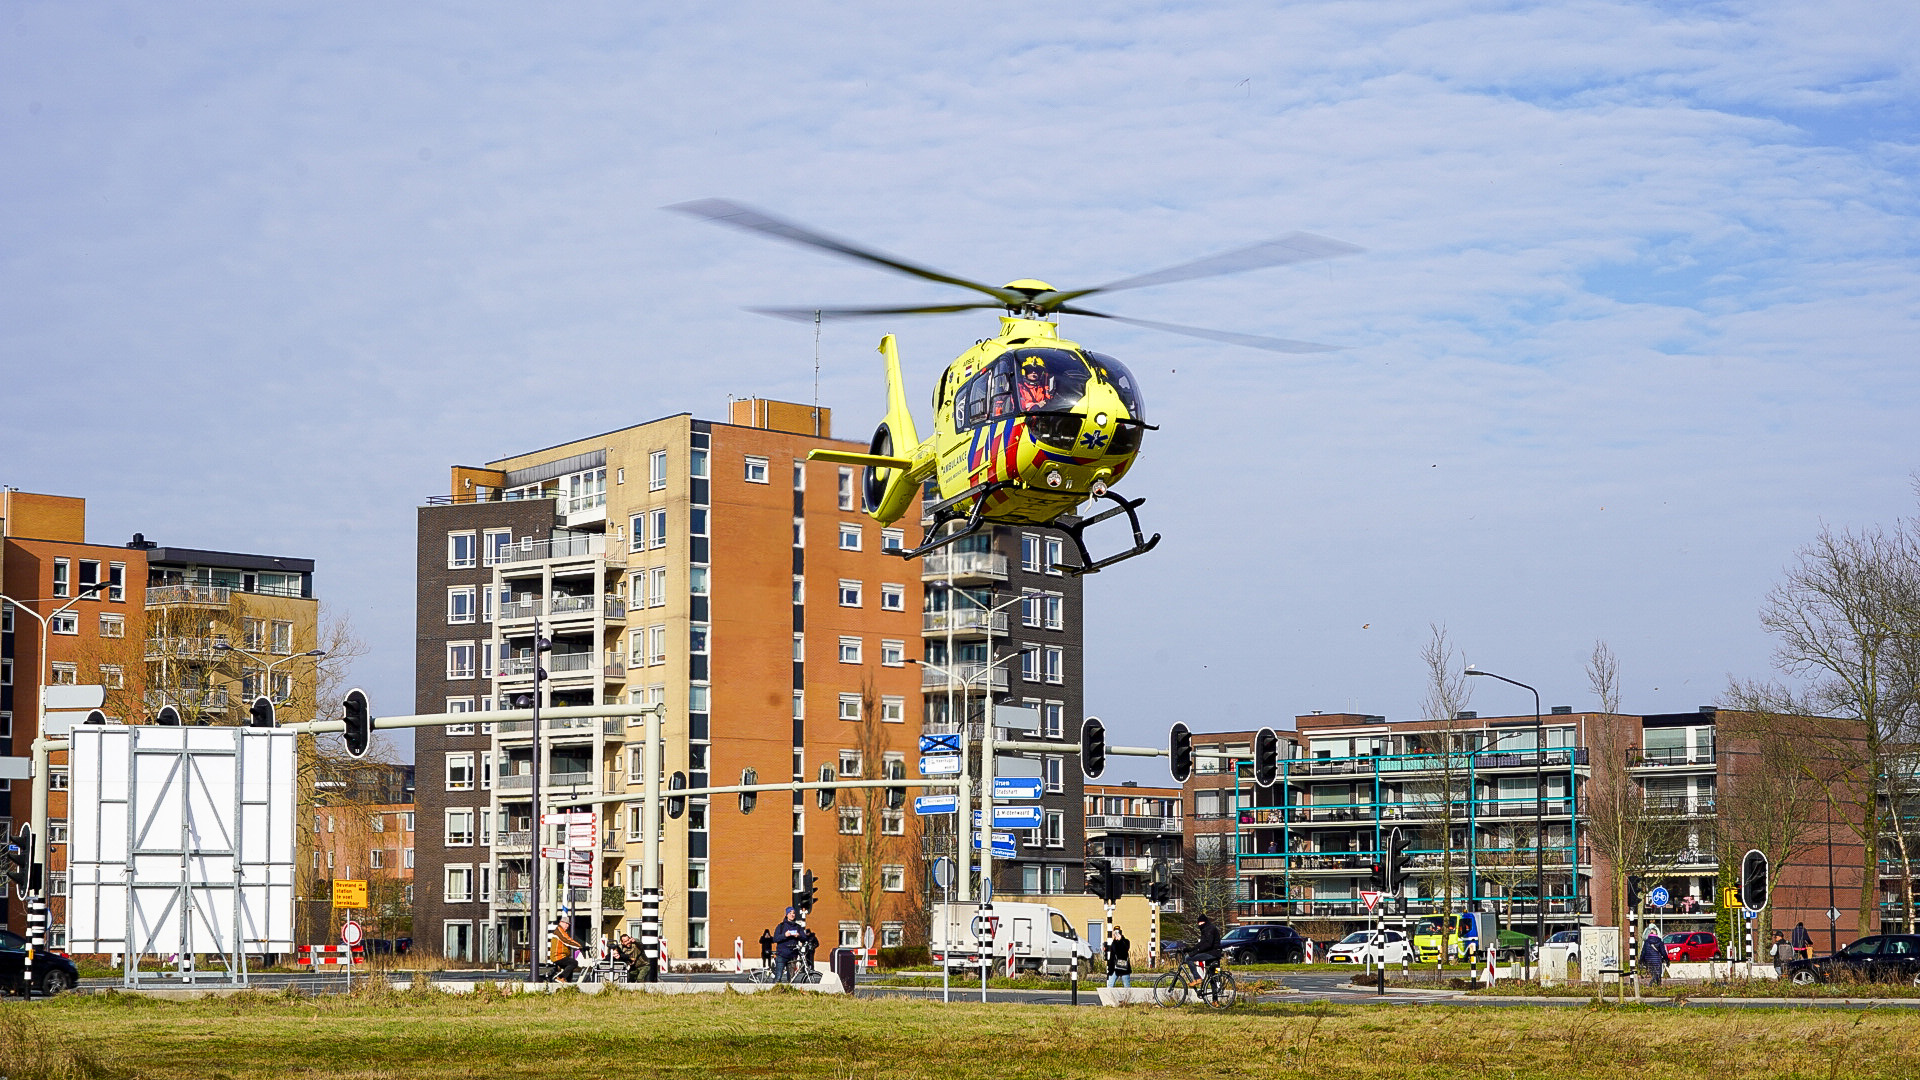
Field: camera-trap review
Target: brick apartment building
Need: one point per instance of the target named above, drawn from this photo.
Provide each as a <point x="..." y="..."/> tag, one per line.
<point x="711" y="568"/>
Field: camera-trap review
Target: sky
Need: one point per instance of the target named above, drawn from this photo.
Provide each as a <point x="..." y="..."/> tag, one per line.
<point x="1635" y="317"/>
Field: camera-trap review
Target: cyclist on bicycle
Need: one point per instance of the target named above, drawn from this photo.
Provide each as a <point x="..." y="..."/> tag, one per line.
<point x="789" y="938"/>
<point x="1205" y="950"/>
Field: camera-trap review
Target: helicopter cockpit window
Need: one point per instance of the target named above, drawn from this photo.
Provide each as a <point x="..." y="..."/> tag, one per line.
<point x="1116" y="375"/>
<point x="1048" y="380"/>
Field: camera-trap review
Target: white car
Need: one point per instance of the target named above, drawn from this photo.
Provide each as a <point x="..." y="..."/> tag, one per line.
<point x="1390" y="948"/>
<point x="1567" y="941"/>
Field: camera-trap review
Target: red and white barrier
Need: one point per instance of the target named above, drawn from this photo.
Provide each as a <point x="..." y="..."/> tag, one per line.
<point x="319" y="956"/>
<point x="739" y="956"/>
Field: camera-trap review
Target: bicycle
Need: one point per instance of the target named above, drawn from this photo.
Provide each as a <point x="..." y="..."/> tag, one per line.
<point x="795" y="970"/>
<point x="1185" y="983"/>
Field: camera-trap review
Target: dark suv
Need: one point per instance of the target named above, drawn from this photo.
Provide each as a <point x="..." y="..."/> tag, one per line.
<point x="1882" y="958"/>
<point x="1264" y="944"/>
<point x="53" y="971"/>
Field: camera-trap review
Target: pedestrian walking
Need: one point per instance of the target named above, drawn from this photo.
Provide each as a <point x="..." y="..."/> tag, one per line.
<point x="1653" y="957"/>
<point x="1779" y="954"/>
<point x="1802" y="942"/>
<point x="1119" y="966"/>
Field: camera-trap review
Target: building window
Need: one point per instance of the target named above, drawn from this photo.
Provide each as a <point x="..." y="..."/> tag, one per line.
<point x="376" y="859"/>
<point x="893" y="598"/>
<point x="1056" y="879"/>
<point x="117" y="575"/>
<point x="460" y="828"/>
<point x="756" y="470"/>
<point x="893" y="710"/>
<point x="65" y="622"/>
<point x="893" y="822"/>
<point x="696" y="521"/>
<point x="6" y="617"/>
<point x="406" y="856"/>
<point x="893" y="878"/>
<point x="497" y="543"/>
<point x="656" y="645"/>
<point x="462" y="553"/>
<point x="460" y="604"/>
<point x="65" y="674"/>
<point x="1030" y="553"/>
<point x="1053" y="719"/>
<point x="1056" y="554"/>
<point x="57" y="831"/>
<point x="460" y="771"/>
<point x="657" y="537"/>
<point x="62" y="578"/>
<point x="849" y="650"/>
<point x="1055" y="769"/>
<point x="459" y="890"/>
<point x="851" y="821"/>
<point x="282" y="638"/>
<point x="849" y="882"/>
<point x="57" y="779"/>
<point x="849" y="537"/>
<point x="253" y="634"/>
<point x="1056" y="663"/>
<point x="893" y="653"/>
<point x="697" y="463"/>
<point x="1055" y="606"/>
<point x="846" y="487"/>
<point x="696" y="584"/>
<point x="799" y="705"/>
<point x="1030" y="609"/>
<point x="893" y="935"/>
<point x="1030" y="663"/>
<point x="460" y="660"/>
<point x="850" y="707"/>
<point x="893" y="539"/>
<point x="1056" y="828"/>
<point x="113" y="626"/>
<point x="112" y="677"/>
<point x="850" y="764"/>
<point x="637" y="538"/>
<point x="849" y="593"/>
<point x="656" y="470"/>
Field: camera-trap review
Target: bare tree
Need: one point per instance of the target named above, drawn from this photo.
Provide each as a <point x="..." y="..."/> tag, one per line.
<point x="1774" y="779"/>
<point x="874" y="836"/>
<point x="1847" y="620"/>
<point x="1444" y="796"/>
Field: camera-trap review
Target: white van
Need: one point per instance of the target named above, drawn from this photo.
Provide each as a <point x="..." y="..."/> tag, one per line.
<point x="1040" y="938"/>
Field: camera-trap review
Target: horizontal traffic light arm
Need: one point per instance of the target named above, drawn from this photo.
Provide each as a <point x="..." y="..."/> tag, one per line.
<point x="1057" y="747"/>
<point x="740" y="789"/>
<point x="566" y="712"/>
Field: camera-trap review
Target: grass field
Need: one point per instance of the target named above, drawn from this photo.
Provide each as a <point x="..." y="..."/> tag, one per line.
<point x="574" y="1036"/>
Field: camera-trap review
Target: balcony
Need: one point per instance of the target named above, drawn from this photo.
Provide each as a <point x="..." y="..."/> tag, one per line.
<point x="611" y="726"/>
<point x="1680" y="806"/>
<point x="572" y="548"/>
<point x="963" y="566"/>
<point x="969" y="623"/>
<point x="1123" y="824"/>
<point x="1674" y="758"/>
<point x="216" y="596"/>
<point x="967" y="678"/>
<point x="516" y="840"/>
<point x="565" y="783"/>
<point x="197" y="648"/>
<point x="584" y="607"/>
<point x="186" y="699"/>
<point x="1135" y="864"/>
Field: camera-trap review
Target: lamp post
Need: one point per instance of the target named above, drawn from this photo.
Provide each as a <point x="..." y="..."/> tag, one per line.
<point x="962" y="856"/>
<point x="224" y="646"/>
<point x="536" y="933"/>
<point x="1539" y="809"/>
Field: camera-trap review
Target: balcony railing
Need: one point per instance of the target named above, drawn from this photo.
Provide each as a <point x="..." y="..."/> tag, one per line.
<point x="198" y="648"/>
<point x="969" y="677"/>
<point x="1122" y="823"/>
<point x="582" y="606"/>
<point x="1136" y="864"/>
<point x="201" y="595"/>
<point x="1668" y="757"/>
<point x="970" y="621"/>
<point x="559" y="662"/>
<point x="512" y="841"/>
<point x="964" y="564"/>
<point x="186" y="699"/>
<point x="573" y="547"/>
<point x="585" y="725"/>
<point x="1680" y="806"/>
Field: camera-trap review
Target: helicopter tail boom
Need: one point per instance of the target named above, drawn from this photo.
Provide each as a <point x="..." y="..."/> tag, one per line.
<point x="848" y="457"/>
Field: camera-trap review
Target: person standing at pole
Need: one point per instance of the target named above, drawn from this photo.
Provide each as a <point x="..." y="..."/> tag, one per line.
<point x="1802" y="942"/>
<point x="766" y="948"/>
<point x="790" y="938"/>
<point x="1779" y="954"/>
<point x="1653" y="956"/>
<point x="1119" y="966"/>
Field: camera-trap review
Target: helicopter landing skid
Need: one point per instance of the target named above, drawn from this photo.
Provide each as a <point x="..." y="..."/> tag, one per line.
<point x="942" y="512"/>
<point x="1088" y="565"/>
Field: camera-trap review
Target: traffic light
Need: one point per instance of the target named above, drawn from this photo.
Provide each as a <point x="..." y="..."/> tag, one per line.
<point x="749" y="798"/>
<point x="1093" y="748"/>
<point x="1102" y="883"/>
<point x="1633" y="892"/>
<point x="1397" y="844"/>
<point x="1159" y="892"/>
<point x="95" y="716"/>
<point x="169" y="716"/>
<point x="1266" y="757"/>
<point x="823" y="797"/>
<point x="260" y="713"/>
<point x="1753" y="881"/>
<point x="359" y="722"/>
<point x="804" y="899"/>
<point x="676" y="804"/>
<point x="896" y="796"/>
<point x="1377" y="875"/>
<point x="19" y="860"/>
<point x="1180" y="752"/>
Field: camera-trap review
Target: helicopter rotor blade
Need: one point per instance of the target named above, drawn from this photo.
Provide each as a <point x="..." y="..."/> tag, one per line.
<point x="1288" y="250"/>
<point x="1252" y="341"/>
<point x="725" y="212"/>
<point x="807" y="314"/>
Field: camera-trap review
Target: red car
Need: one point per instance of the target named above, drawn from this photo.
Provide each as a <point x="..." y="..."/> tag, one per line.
<point x="1682" y="948"/>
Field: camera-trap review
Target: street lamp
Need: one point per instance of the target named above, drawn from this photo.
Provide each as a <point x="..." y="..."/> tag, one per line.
<point x="1539" y="809"/>
<point x="225" y="646"/>
<point x="536" y="934"/>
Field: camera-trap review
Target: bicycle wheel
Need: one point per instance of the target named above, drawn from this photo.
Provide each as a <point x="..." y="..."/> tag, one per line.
<point x="1222" y="992"/>
<point x="1170" y="989"/>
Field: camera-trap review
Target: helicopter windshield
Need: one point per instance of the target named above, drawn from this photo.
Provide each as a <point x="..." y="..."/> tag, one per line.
<point x="1047" y="380"/>
<point x="1115" y="374"/>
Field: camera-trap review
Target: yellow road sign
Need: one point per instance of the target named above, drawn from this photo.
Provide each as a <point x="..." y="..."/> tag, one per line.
<point x="348" y="893"/>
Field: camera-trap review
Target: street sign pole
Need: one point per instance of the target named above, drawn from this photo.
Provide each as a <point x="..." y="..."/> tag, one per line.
<point x="650" y="890"/>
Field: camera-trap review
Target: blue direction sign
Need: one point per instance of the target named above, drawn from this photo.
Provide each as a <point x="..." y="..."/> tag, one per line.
<point x="937" y="804"/>
<point x="1002" y="845"/>
<point x="1016" y="817"/>
<point x="1016" y="787"/>
<point x="1658" y="897"/>
<point x="940" y="744"/>
<point x="940" y="765"/>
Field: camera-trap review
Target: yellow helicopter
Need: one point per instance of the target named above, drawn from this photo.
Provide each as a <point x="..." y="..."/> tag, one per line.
<point x="1028" y="425"/>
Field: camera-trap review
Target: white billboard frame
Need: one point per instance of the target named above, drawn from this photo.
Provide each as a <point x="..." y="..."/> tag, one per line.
<point x="181" y="843"/>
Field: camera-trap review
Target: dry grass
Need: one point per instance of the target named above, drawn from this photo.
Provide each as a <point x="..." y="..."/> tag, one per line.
<point x="380" y="1033"/>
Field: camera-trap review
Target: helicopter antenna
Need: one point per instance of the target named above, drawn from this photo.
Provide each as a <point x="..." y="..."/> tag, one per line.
<point x="816" y="373"/>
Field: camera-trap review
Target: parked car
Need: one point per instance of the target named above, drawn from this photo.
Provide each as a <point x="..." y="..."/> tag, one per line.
<point x="1264" y="944"/>
<point x="1391" y="948"/>
<point x="53" y="970"/>
<point x="1567" y="941"/>
<point x="1691" y="946"/>
<point x="1882" y="958"/>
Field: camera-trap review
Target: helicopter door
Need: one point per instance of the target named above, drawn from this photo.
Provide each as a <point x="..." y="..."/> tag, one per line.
<point x="1000" y="390"/>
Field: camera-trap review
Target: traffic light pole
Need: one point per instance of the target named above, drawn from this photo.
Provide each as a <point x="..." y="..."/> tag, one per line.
<point x="650" y="874"/>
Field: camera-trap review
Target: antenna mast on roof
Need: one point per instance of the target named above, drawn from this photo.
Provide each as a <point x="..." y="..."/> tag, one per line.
<point x="816" y="372"/>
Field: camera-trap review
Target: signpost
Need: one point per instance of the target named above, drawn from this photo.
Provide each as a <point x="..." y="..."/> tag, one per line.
<point x="1016" y="817"/>
<point x="940" y="765"/>
<point x="1658" y="897"/>
<point x="1016" y="787"/>
<point x="350" y="934"/>
<point x="1002" y="845"/>
<point x="936" y="804"/>
<point x="1370" y="898"/>
<point x="349" y="894"/>
<point x="940" y="744"/>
